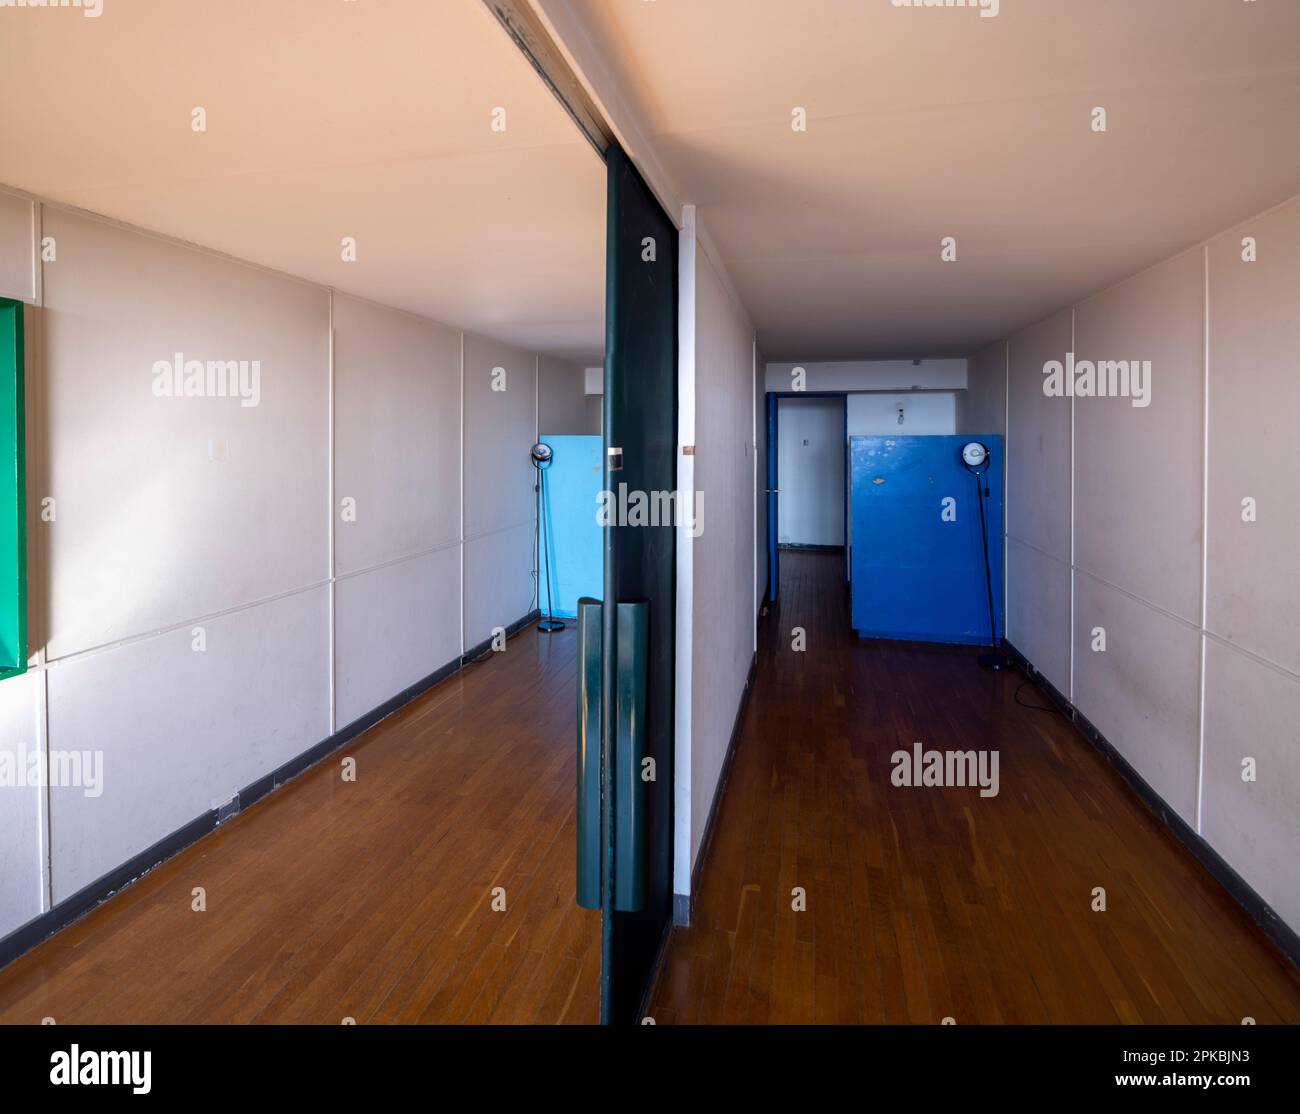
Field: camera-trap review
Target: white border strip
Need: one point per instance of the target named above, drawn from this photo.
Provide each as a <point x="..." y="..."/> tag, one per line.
<point x="1205" y="533"/>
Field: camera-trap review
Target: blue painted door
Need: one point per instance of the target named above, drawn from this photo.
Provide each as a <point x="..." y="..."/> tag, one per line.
<point x="920" y="518"/>
<point x="570" y="528"/>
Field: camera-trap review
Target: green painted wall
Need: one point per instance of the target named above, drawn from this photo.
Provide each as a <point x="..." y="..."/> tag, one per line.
<point x="13" y="494"/>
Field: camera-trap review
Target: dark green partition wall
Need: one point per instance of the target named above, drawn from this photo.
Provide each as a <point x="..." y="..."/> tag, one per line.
<point x="13" y="494"/>
<point x="640" y="561"/>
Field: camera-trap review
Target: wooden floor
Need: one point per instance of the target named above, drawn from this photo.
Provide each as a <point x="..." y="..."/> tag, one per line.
<point x="369" y="900"/>
<point x="926" y="903"/>
<point x="372" y="899"/>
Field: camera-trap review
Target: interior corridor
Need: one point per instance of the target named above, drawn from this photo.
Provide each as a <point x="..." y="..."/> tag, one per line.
<point x="931" y="903"/>
<point x="370" y="899"/>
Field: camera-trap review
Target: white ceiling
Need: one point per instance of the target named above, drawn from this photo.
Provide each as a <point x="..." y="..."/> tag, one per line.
<point x="925" y="123"/>
<point x="326" y="118"/>
<point x="332" y="118"/>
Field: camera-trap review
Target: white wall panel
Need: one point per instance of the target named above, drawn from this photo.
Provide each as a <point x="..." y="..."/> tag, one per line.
<point x="1038" y="611"/>
<point x="16" y="247"/>
<point x="1137" y="469"/>
<point x="869" y="375"/>
<point x="395" y="625"/>
<point x="498" y="581"/>
<point x="986" y="391"/>
<point x="1253" y="588"/>
<point x="722" y="560"/>
<point x="181" y="731"/>
<point x="169" y="508"/>
<point x="562" y="398"/>
<point x="22" y="886"/>
<point x="1038" y="440"/>
<point x="1251" y="711"/>
<point x="500" y="427"/>
<point x="1142" y="692"/>
<point x="925" y="414"/>
<point x="396" y="433"/>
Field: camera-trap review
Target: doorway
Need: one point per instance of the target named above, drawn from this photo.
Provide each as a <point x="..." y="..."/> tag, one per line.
<point x="810" y="479"/>
<point x="807" y="476"/>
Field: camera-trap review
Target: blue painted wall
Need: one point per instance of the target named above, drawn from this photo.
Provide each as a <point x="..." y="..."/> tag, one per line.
<point x="572" y="487"/>
<point x="915" y="575"/>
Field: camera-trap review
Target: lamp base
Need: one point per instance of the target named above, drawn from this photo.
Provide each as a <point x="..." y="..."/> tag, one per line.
<point x="550" y="626"/>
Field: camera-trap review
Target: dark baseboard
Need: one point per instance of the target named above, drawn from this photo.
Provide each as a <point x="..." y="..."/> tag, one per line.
<point x="476" y="652"/>
<point x="72" y="908"/>
<point x="1238" y="888"/>
<point x="684" y="905"/>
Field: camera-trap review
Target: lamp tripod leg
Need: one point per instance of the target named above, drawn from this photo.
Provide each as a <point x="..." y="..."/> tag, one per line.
<point x="549" y="625"/>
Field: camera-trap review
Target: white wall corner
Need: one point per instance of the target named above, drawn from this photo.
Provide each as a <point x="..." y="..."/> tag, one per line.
<point x="714" y="255"/>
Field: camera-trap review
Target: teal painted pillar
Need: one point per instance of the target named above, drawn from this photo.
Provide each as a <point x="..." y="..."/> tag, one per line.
<point x="13" y="493"/>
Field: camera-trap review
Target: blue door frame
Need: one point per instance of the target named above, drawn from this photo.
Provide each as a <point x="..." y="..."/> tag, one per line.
<point x="773" y="478"/>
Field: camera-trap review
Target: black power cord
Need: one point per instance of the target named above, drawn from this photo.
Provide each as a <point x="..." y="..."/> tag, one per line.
<point x="1036" y="707"/>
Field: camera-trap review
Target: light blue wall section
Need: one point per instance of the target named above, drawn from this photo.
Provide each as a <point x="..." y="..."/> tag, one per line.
<point x="916" y="573"/>
<point x="572" y="486"/>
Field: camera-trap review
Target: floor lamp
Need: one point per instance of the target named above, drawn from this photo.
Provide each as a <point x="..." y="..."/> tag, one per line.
<point x="542" y="456"/>
<point x="975" y="457"/>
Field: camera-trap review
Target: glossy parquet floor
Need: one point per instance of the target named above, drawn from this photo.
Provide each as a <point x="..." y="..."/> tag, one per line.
<point x="370" y="900"/>
<point x="926" y="903"/>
